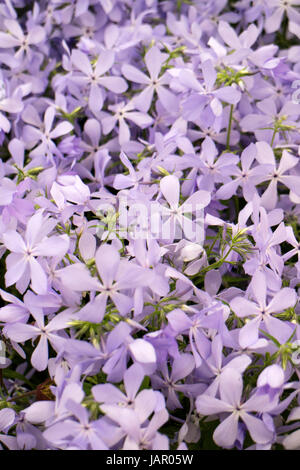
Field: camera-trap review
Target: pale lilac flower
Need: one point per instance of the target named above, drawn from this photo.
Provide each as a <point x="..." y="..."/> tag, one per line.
<point x="22" y="263"/>
<point x="231" y="388"/>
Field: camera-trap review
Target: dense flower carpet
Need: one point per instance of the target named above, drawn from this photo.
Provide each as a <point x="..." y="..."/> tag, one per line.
<point x="149" y="224"/>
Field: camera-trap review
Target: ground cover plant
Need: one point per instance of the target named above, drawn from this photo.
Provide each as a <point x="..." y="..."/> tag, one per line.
<point x="149" y="224"/>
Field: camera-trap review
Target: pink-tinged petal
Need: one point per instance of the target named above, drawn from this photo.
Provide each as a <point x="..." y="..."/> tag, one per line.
<point x="36" y="35"/>
<point x="104" y="63"/>
<point x="16" y="148"/>
<point x="19" y="332"/>
<point x="252" y="122"/>
<point x="274" y="21"/>
<point x="209" y="74"/>
<point x="228" y="35"/>
<point x="108" y="123"/>
<point x="272" y="375"/>
<point x="126" y="418"/>
<point x="287" y="161"/>
<point x="257" y="429"/>
<point x="179" y="321"/>
<point x="143" y="100"/>
<point x="226" y="433"/>
<point x="4" y="123"/>
<point x="291" y="182"/>
<point x="170" y="188"/>
<point x="14" y="242"/>
<point x="13" y="313"/>
<point x="259" y="288"/>
<point x="39" y="358"/>
<point x="38" y="277"/>
<point x="96" y="98"/>
<point x="292" y="441"/>
<point x="167" y="99"/>
<point x="239" y="363"/>
<point x="231" y="386"/>
<point x="123" y="181"/>
<point x="60" y="431"/>
<point x="39" y="411"/>
<point x="154" y="60"/>
<point x="16" y="264"/>
<point x="11" y="105"/>
<point x="188" y="79"/>
<point x="124" y="132"/>
<point x="62" y="128"/>
<point x="7" y="40"/>
<point x="135" y="75"/>
<point x="53" y="246"/>
<point x="142" y="351"/>
<point x="34" y="227"/>
<point x="196" y="201"/>
<point x="182" y="367"/>
<point x="227" y="190"/>
<point x="123" y="303"/>
<point x="49" y="118"/>
<point x="107" y="261"/>
<point x="140" y="119"/>
<point x="248" y="37"/>
<point x="81" y="62"/>
<point x="133" y="378"/>
<point x="159" y="418"/>
<point x="270" y="196"/>
<point x="108" y="393"/>
<point x="207" y="405"/>
<point x="93" y="130"/>
<point x="265" y="153"/>
<point x="248" y="156"/>
<point x="87" y="245"/>
<point x="243" y="307"/>
<point x="7" y="417"/>
<point x="216" y="107"/>
<point x="60" y="321"/>
<point x="249" y="333"/>
<point x="14" y="28"/>
<point x="114" y="84"/>
<point x="144" y="404"/>
<point x="94" y="311"/>
<point x="31" y="135"/>
<point x="78" y="278"/>
<point x="228" y="94"/>
<point x="282" y="300"/>
<point x="279" y="329"/>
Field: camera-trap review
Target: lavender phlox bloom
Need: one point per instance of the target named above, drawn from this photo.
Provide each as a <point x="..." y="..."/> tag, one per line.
<point x="216" y="363"/>
<point x="95" y="77"/>
<point x="22" y="264"/>
<point x="21" y="332"/>
<point x="122" y="112"/>
<point x="16" y="37"/>
<point x="276" y="174"/>
<point x="205" y="94"/>
<point x="262" y="311"/>
<point x="80" y="432"/>
<point x="7" y="420"/>
<point x="231" y="389"/>
<point x="45" y="135"/>
<point x="155" y="82"/>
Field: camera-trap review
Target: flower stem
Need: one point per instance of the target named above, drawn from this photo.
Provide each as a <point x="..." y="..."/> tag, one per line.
<point x="229" y="128"/>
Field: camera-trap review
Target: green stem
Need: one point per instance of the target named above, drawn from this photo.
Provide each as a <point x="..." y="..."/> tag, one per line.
<point x="229" y="128"/>
<point x="273" y="137"/>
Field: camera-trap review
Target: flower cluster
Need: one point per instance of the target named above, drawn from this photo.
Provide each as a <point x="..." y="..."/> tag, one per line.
<point x="149" y="224"/>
